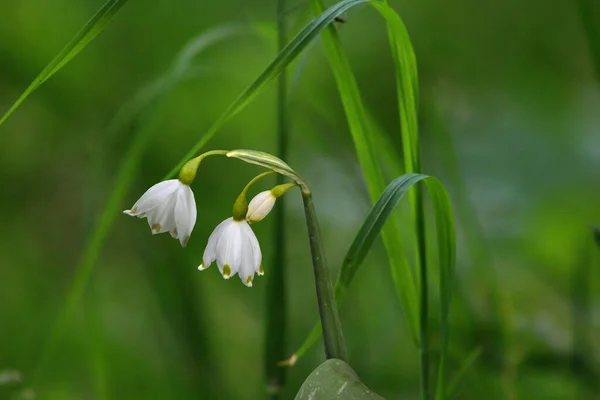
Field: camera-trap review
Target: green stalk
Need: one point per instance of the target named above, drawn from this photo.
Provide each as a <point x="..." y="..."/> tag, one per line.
<point x="276" y="290"/>
<point x="333" y="337"/>
<point x="423" y="296"/>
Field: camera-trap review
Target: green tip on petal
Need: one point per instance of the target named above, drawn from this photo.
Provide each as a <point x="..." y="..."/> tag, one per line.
<point x="226" y="271"/>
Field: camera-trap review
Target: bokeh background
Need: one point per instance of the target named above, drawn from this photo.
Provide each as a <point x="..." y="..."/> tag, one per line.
<point x="510" y="121"/>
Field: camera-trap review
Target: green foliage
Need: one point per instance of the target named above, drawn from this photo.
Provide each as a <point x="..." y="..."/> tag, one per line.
<point x="372" y="227"/>
<point x="142" y="113"/>
<point x="284" y="58"/>
<point x="358" y="123"/>
<point x="93" y="27"/>
<point x="508" y="123"/>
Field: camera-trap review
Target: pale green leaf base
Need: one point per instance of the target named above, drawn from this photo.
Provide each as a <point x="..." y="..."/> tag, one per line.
<point x="334" y="379"/>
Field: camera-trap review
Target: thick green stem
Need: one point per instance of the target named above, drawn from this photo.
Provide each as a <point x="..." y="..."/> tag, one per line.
<point x="276" y="290"/>
<point x="330" y="320"/>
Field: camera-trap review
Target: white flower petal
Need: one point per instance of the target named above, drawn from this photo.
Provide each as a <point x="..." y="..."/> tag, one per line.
<point x="260" y="206"/>
<point x="256" y="253"/>
<point x="153" y="197"/>
<point x="162" y="217"/>
<point x="210" y="253"/>
<point x="247" y="270"/>
<point x="185" y="214"/>
<point x="229" y="255"/>
<point x="236" y="250"/>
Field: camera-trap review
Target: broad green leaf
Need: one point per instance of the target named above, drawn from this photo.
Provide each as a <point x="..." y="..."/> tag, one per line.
<point x="284" y="58"/>
<point x="334" y="379"/>
<point x="374" y="225"/>
<point x="93" y="27"/>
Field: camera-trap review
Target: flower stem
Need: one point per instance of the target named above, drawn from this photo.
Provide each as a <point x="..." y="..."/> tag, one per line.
<point x="276" y="289"/>
<point x="330" y="320"/>
<point x="256" y="179"/>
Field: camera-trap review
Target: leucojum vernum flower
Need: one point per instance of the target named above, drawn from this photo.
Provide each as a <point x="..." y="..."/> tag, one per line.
<point x="169" y="206"/>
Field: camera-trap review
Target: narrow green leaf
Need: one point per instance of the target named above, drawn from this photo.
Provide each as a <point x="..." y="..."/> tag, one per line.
<point x="334" y="379"/>
<point x="359" y="128"/>
<point x="93" y="27"/>
<point x="140" y="113"/>
<point x="474" y="235"/>
<point x="374" y="224"/>
<point x="284" y="58"/>
<point x="276" y="324"/>
<point x="407" y="89"/>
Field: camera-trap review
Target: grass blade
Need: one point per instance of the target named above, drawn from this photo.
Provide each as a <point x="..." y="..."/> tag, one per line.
<point x="374" y="225"/>
<point x="284" y="58"/>
<point x="93" y="27"/>
<point x="407" y="89"/>
<point x="140" y="114"/>
<point x="276" y="290"/>
<point x="359" y="127"/>
<point x="479" y="248"/>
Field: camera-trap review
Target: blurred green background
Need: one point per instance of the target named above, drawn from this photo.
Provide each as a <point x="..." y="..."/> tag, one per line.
<point x="509" y="122"/>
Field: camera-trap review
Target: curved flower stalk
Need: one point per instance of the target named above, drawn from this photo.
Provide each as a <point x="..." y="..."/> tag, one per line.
<point x="170" y="207"/>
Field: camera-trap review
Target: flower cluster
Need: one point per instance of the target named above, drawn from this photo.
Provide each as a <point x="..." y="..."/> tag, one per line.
<point x="169" y="206"/>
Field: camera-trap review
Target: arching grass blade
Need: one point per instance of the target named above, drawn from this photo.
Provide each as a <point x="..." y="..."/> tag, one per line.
<point x="93" y="27"/>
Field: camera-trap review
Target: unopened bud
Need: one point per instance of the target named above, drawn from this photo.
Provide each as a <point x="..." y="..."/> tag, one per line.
<point x="260" y="206"/>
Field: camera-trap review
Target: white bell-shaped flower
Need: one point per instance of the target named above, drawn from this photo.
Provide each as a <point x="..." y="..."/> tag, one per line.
<point x="260" y="206"/>
<point x="235" y="248"/>
<point x="170" y="207"/>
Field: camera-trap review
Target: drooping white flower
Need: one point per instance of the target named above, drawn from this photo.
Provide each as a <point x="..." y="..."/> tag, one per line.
<point x="235" y="248"/>
<point x="170" y="207"/>
<point x="260" y="206"/>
